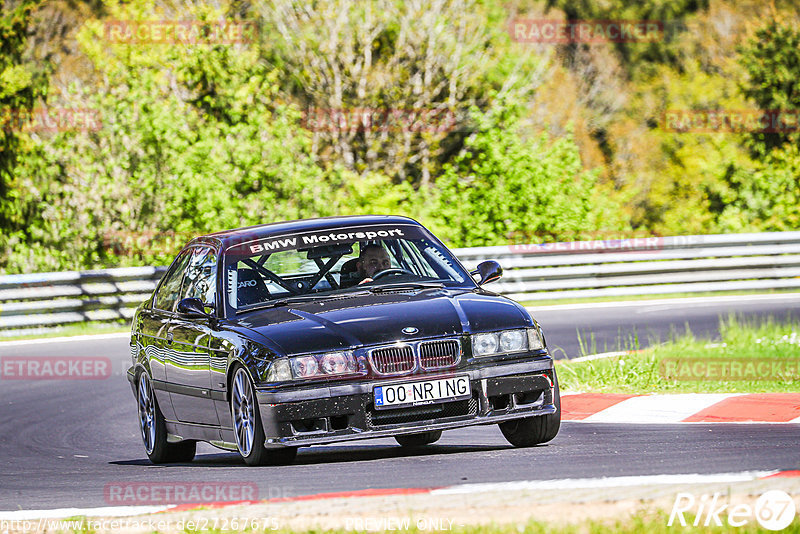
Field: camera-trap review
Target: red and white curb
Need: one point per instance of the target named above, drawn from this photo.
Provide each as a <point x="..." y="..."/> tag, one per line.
<point x="461" y="489"/>
<point x="681" y="408"/>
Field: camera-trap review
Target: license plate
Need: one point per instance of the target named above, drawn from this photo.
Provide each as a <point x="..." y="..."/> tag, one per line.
<point x="423" y="392"/>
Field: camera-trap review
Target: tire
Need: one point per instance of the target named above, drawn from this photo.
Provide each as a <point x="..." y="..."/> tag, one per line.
<point x="154" y="429"/>
<point x="247" y="426"/>
<point x="419" y="440"/>
<point x="534" y="430"/>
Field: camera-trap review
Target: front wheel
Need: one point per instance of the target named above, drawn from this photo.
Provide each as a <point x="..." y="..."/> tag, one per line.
<point x="535" y="430"/>
<point x="247" y="425"/>
<point x="419" y="440"/>
<point x="154" y="429"/>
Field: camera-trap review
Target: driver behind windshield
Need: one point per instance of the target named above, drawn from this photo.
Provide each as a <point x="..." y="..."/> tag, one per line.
<point x="372" y="260"/>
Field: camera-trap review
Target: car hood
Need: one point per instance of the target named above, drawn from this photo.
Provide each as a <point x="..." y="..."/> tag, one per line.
<point x="380" y="318"/>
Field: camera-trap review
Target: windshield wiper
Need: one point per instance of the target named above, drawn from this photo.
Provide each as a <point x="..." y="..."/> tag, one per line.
<point x="405" y="286"/>
<point x="282" y="302"/>
<point x="401" y="286"/>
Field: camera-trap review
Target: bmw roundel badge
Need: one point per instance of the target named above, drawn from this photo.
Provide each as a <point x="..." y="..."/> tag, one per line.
<point x="410" y="330"/>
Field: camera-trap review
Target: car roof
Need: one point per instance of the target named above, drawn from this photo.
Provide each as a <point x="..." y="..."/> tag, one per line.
<point x="231" y="237"/>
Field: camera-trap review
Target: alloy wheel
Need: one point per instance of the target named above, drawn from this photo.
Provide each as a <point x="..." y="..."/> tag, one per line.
<point x="243" y="413"/>
<point x="147" y="413"/>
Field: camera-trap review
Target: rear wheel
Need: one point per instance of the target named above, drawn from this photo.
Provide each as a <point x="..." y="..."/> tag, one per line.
<point x="535" y="430"/>
<point x="247" y="425"/>
<point x="419" y="440"/>
<point x="154" y="429"/>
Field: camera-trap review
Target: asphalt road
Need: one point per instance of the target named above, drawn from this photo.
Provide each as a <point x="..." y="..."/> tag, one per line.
<point x="65" y="442"/>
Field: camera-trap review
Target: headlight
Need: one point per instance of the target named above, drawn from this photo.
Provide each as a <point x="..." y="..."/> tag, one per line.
<point x="484" y="344"/>
<point x="337" y="363"/>
<point x="279" y="371"/>
<point x="326" y="364"/>
<point x="534" y="339"/>
<point x="513" y="341"/>
<point x="506" y="342"/>
<point x="305" y="366"/>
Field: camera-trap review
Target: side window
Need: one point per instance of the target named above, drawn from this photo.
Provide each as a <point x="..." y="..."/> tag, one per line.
<point x="167" y="294"/>
<point x="201" y="276"/>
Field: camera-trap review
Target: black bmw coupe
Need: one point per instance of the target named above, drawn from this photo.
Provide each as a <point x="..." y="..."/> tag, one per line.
<point x="265" y="339"/>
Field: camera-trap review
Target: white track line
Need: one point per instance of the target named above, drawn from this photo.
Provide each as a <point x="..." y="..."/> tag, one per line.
<point x="87" y="337"/>
<point x="592" y="357"/>
<point x="106" y="511"/>
<point x="659" y="302"/>
<point x="609" y="482"/>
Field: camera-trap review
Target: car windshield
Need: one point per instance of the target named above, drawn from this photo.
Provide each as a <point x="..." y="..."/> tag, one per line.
<point x="322" y="263"/>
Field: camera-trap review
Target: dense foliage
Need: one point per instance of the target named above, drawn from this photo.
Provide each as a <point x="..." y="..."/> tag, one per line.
<point x="21" y="84"/>
<point x="421" y="107"/>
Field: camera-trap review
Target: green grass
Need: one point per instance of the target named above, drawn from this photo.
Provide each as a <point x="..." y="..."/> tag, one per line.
<point x="554" y="302"/>
<point x="80" y="329"/>
<point x="749" y="342"/>
<point x="641" y="522"/>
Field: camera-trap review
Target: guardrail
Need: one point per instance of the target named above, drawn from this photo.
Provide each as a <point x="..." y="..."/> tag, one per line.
<point x="548" y="271"/>
<point x="644" y="266"/>
<point x="50" y="299"/>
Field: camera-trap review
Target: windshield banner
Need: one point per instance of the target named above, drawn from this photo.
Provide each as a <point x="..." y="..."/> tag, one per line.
<point x="318" y="238"/>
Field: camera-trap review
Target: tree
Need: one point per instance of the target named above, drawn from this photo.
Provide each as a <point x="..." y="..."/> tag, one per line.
<point x="504" y="189"/>
<point x="764" y="200"/>
<point x="385" y="84"/>
<point x="193" y="139"/>
<point x="637" y="56"/>
<point x="198" y="138"/>
<point x="21" y="84"/>
<point x="772" y="61"/>
<point x="764" y="194"/>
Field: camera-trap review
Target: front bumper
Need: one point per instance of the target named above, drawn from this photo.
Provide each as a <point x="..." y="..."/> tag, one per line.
<point x="323" y="414"/>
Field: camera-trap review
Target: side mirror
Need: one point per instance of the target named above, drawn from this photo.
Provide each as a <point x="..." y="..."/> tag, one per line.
<point x="489" y="271"/>
<point x="192" y="308"/>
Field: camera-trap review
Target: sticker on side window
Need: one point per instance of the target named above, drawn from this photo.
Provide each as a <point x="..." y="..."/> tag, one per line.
<point x="233" y="286"/>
